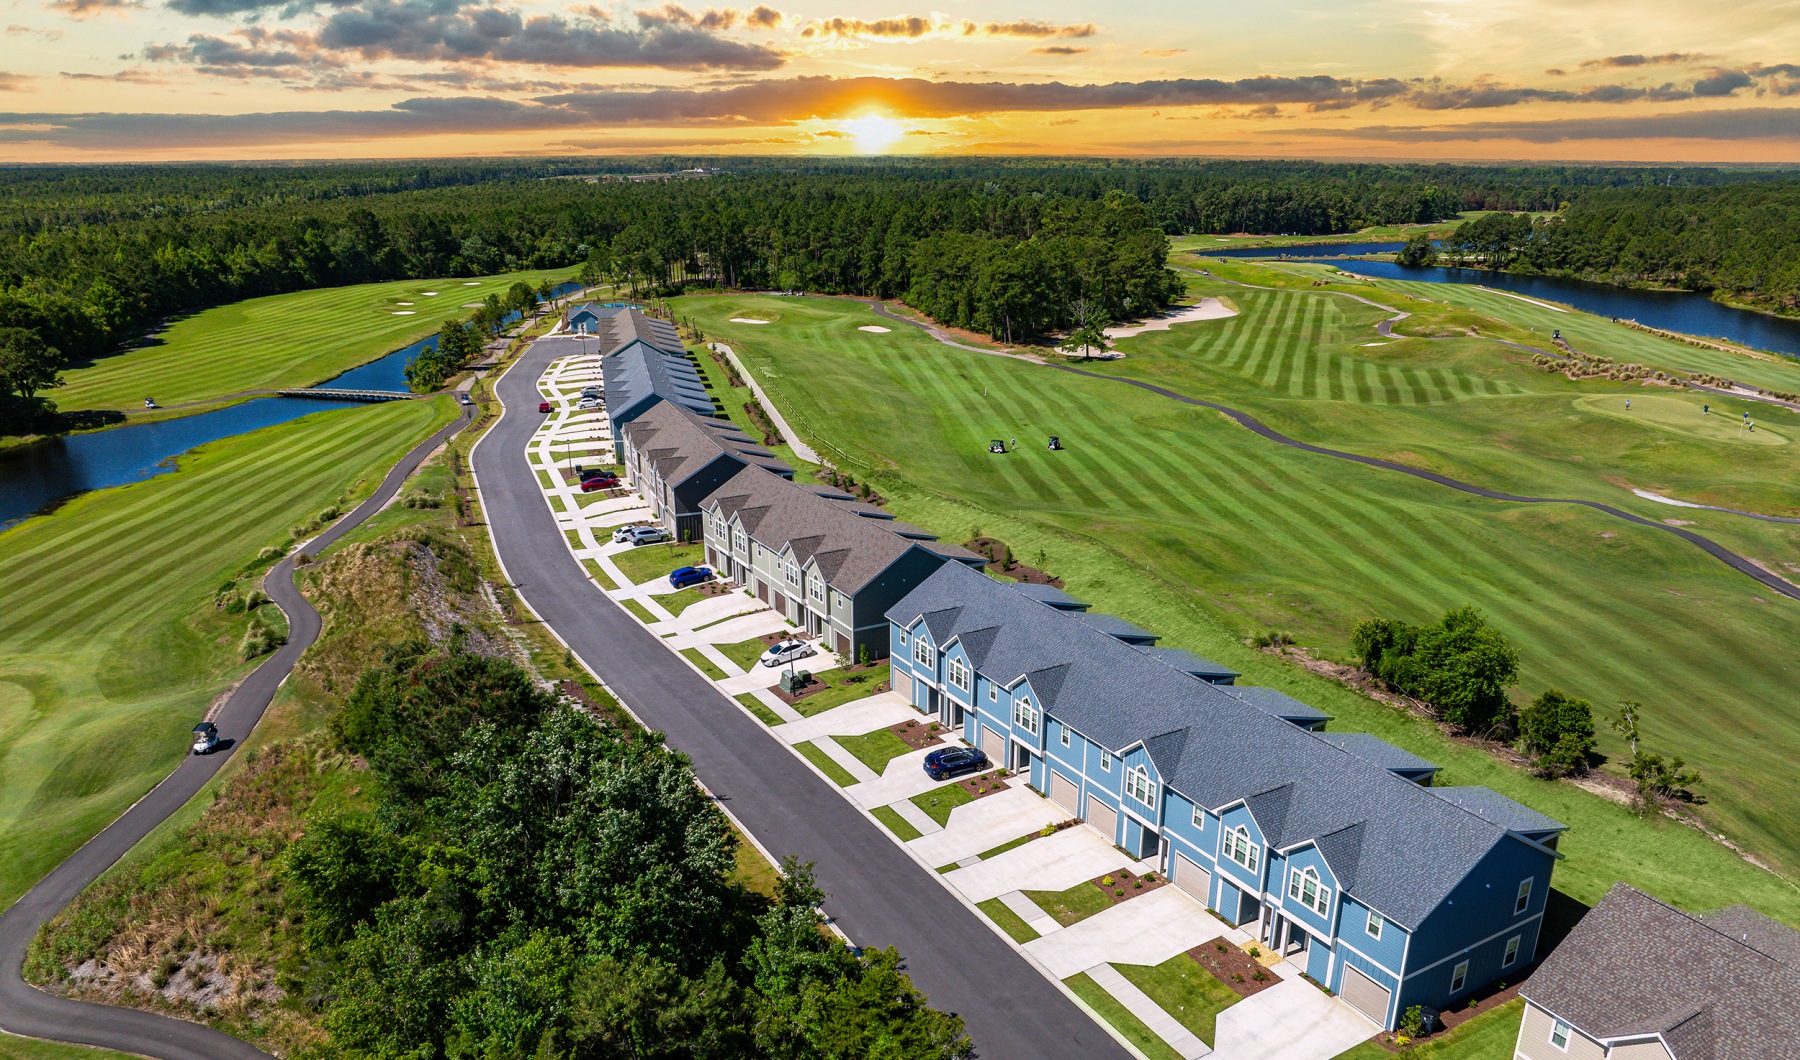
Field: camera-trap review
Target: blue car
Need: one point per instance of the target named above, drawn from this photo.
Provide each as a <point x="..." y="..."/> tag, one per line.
<point x="948" y="762"/>
<point x="683" y="577"/>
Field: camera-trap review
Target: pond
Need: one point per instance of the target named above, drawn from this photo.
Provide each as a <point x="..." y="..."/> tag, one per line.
<point x="1683" y="311"/>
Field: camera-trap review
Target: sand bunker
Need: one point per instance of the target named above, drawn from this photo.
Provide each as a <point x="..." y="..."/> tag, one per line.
<point x="472" y="283"/>
<point x="429" y="294"/>
<point x="747" y="320"/>
<point x="405" y="312"/>
<point x="471" y="305"/>
<point x="876" y="328"/>
<point x="403" y="303"/>
<point x="1205" y="309"/>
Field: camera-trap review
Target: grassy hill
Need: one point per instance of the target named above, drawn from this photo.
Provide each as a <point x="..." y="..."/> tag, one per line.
<point x="284" y="340"/>
<point x="1177" y="518"/>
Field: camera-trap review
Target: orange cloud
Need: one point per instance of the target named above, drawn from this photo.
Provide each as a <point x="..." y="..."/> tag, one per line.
<point x="917" y="27"/>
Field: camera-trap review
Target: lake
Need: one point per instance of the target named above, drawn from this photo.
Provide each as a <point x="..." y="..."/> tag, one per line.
<point x="1683" y="311"/>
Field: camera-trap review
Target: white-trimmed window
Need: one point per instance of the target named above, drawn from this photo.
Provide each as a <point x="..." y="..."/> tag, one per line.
<point x="1239" y="848"/>
<point x="922" y="654"/>
<point x="1307" y="889"/>
<point x="1459" y="977"/>
<point x="1512" y="951"/>
<point x="1065" y="735"/>
<point x="1105" y="760"/>
<point x="1199" y="818"/>
<point x="815" y="588"/>
<point x="1137" y="785"/>
<point x="993" y="694"/>
<point x="1559" y="1034"/>
<point x="737" y="539"/>
<point x="903" y="638"/>
<point x="1025" y="715"/>
<point x="1373" y="927"/>
<point x="1523" y="901"/>
<point x="793" y="573"/>
<point x="956" y="673"/>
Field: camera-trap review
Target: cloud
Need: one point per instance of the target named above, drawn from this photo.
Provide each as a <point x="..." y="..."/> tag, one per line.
<point x="764" y="17"/>
<point x="1746" y="123"/>
<point x="1632" y="61"/>
<point x="86" y="9"/>
<point x="672" y="14"/>
<point x="919" y="27"/>
<point x="1162" y="53"/>
<point x="1059" y="49"/>
<point x="10" y="82"/>
<point x="1722" y="83"/>
<point x="237" y="57"/>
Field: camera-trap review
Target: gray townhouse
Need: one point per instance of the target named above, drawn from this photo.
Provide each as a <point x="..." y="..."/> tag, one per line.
<point x="1334" y="850"/>
<point x="830" y="564"/>
<point x="1639" y="979"/>
<point x="643" y="363"/>
<point x="676" y="459"/>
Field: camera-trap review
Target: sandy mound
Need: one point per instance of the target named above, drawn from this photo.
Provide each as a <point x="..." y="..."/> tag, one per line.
<point x="747" y="320"/>
<point x="876" y="328"/>
<point x="404" y="312"/>
<point x="1205" y="309"/>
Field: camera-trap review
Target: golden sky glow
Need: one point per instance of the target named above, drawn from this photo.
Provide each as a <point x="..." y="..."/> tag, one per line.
<point x="1656" y="80"/>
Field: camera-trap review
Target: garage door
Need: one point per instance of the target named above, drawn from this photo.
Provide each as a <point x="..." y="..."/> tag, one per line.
<point x="1104" y="818"/>
<point x="902" y="683"/>
<point x="1193" y="879"/>
<point x="995" y="746"/>
<point x="1065" y="793"/>
<point x="1365" y="995"/>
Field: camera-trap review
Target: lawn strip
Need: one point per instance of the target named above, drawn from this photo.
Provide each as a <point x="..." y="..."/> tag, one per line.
<point x="1108" y="1008"/>
<point x="1073" y="905"/>
<point x="938" y="802"/>
<point x="707" y="666"/>
<point x="606" y="580"/>
<point x="1184" y="990"/>
<point x="759" y="708"/>
<point x="841" y="690"/>
<point x="1005" y="919"/>
<point x="1009" y="844"/>
<point x="637" y="608"/>
<point x="745" y="652"/>
<point x="830" y="768"/>
<point x="875" y="749"/>
<point x="652" y="561"/>
<point x="895" y="823"/>
<point x="1489" y="1036"/>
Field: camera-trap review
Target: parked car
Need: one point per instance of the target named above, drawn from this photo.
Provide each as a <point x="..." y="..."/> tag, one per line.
<point x="587" y="404"/>
<point x="599" y="482"/>
<point x="786" y="652"/>
<point x="682" y="577"/>
<point x="543" y="406"/>
<point x="948" y="762"/>
<point x="647" y="535"/>
<point x="623" y="533"/>
<point x="206" y="738"/>
<point x="590" y="391"/>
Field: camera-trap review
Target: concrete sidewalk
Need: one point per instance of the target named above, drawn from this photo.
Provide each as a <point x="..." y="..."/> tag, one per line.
<point x="1146" y="930"/>
<point x="1054" y="863"/>
<point x="1139" y="1004"/>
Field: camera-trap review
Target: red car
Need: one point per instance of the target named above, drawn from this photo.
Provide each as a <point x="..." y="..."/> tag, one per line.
<point x="543" y="406"/>
<point x="599" y="482"/>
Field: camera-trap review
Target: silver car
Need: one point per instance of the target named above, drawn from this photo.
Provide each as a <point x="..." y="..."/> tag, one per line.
<point x="786" y="652"/>
<point x="647" y="535"/>
<point x="587" y="404"/>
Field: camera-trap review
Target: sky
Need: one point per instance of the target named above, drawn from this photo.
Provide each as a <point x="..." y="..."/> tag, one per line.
<point x="1535" y="80"/>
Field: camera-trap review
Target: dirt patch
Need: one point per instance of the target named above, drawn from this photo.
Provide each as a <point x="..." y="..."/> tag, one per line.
<point x="918" y="736"/>
<point x="997" y="553"/>
<point x="1233" y="967"/>
<point x="1124" y="885"/>
<point x="1678" y="522"/>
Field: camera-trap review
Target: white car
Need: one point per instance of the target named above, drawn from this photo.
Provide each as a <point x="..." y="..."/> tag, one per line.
<point x="786" y="652"/>
<point x="646" y="535"/>
<point x="587" y="404"/>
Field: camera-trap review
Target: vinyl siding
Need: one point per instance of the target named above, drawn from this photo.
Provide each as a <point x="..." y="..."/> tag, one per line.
<point x="1534" y="1039"/>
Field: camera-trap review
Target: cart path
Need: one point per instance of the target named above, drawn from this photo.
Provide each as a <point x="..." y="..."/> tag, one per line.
<point x="1766" y="578"/>
<point x="26" y="1011"/>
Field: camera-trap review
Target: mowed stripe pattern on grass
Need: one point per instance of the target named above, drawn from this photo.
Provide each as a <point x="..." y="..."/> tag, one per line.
<point x="277" y="342"/>
<point x="109" y="649"/>
<point x="1271" y="535"/>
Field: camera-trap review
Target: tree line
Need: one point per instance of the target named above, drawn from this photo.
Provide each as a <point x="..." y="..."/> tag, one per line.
<point x="535" y="883"/>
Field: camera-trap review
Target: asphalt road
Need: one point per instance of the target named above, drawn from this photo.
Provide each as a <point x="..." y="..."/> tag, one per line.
<point x="879" y="895"/>
<point x="27" y="1011"/>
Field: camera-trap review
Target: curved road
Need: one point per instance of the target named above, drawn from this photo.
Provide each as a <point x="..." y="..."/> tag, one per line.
<point x="1731" y="559"/>
<point x="27" y="1011"/>
<point x="880" y="896"/>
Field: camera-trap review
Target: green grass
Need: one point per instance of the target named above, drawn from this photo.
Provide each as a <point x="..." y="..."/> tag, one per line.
<point x="1681" y="415"/>
<point x="272" y="343"/>
<point x="1007" y="920"/>
<point x="638" y="609"/>
<point x="110" y="647"/>
<point x="760" y="709"/>
<point x="939" y="801"/>
<point x="862" y="686"/>
<point x="1146" y="1040"/>
<point x="681" y="599"/>
<point x="874" y="749"/>
<point x="1185" y="990"/>
<point x="13" y="1047"/>
<point x="645" y="562"/>
<point x="744" y="652"/>
<point x="1008" y="845"/>
<point x="895" y="823"/>
<point x="1073" y="905"/>
<point x="1179" y="520"/>
<point x="707" y="666"/>
<point x="837" y="773"/>
<point x="605" y="580"/>
<point x="1489" y="1036"/>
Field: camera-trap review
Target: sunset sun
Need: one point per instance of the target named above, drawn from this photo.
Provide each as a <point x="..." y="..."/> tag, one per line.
<point x="874" y="134"/>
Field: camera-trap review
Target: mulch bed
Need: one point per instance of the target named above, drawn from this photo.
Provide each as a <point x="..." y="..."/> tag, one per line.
<point x="1233" y="967"/>
<point x="984" y="784"/>
<point x="1127" y="885"/>
<point x="916" y="735"/>
<point x="819" y="684"/>
<point x="1000" y="557"/>
<point x="1487" y="998"/>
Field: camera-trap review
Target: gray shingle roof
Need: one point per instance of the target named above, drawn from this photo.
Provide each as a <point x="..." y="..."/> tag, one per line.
<point x="1053" y="596"/>
<point x="850" y="549"/>
<point x="1410" y="847"/>
<point x="1490" y="805"/>
<point x="1198" y="665"/>
<point x="1279" y="703"/>
<point x="679" y="444"/>
<point x="1114" y="626"/>
<point x="1638" y="966"/>
<point x="618" y="326"/>
<point x="639" y="370"/>
<point x="1379" y="751"/>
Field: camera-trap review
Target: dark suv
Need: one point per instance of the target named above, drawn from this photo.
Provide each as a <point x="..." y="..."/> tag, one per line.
<point x="954" y="761"/>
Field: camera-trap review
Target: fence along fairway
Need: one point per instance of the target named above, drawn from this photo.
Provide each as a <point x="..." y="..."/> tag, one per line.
<point x="110" y="648"/>
<point x="1239" y="534"/>
<point x="281" y="341"/>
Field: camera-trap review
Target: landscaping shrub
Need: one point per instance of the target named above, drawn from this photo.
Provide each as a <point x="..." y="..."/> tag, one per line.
<point x="1461" y="667"/>
<point x="1557" y="730"/>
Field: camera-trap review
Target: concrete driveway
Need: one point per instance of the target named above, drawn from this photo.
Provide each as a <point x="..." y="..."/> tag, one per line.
<point x="986" y="823"/>
<point x="1292" y="1020"/>
<point x="1147" y="930"/>
<point x="1054" y="863"/>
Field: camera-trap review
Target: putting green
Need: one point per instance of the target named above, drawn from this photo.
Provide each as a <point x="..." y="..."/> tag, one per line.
<point x="1681" y="416"/>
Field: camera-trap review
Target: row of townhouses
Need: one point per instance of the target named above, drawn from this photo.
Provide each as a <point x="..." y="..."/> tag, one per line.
<point x="1332" y="849"/>
<point x="677" y="459"/>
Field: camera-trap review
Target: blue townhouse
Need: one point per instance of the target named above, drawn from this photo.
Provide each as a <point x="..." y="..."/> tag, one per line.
<point x="1333" y="849"/>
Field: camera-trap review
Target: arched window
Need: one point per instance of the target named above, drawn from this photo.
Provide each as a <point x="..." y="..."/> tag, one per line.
<point x="1305" y="887"/>
<point x="1239" y="848"/>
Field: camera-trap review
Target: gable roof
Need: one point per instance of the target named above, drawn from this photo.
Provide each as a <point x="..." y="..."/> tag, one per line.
<point x="849" y="548"/>
<point x="1410" y="847"/>
<point x="679" y="444"/>
<point x="1379" y="751"/>
<point x="1278" y="703"/>
<point x="1636" y="966"/>
<point x="643" y="367"/>
<point x="616" y="326"/>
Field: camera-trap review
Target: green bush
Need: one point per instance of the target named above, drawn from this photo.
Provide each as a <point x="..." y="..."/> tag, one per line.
<point x="1461" y="667"/>
<point x="1557" y="730"/>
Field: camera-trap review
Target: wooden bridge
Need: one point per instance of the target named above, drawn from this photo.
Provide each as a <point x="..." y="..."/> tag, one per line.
<point x="326" y="394"/>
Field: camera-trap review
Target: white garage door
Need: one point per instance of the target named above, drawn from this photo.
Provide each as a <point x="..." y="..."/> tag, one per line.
<point x="1065" y="793"/>
<point x="995" y="746"/>
<point x="1193" y="879"/>
<point x="1103" y="818"/>
<point x="1365" y="995"/>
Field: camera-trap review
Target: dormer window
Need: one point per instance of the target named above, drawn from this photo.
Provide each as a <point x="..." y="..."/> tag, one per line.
<point x="1025" y="715"/>
<point x="1237" y="847"/>
<point x="923" y="655"/>
<point x="815" y="588"/>
<point x="1306" y="888"/>
<point x="1137" y="785"/>
<point x="793" y="573"/>
<point x="957" y="674"/>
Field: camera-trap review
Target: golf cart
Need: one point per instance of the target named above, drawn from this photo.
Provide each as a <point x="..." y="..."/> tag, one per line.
<point x="998" y="445"/>
<point x="206" y="737"/>
<point x="1055" y="443"/>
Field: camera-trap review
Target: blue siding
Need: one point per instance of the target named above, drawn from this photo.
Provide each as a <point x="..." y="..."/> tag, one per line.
<point x="1474" y="924"/>
<point x="1380" y="975"/>
<point x="1318" y="961"/>
<point x="1249" y="881"/>
<point x="1353" y="928"/>
<point x="1299" y="861"/>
